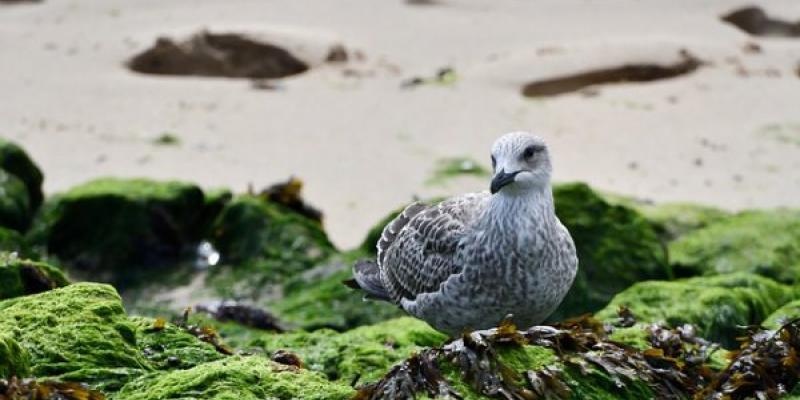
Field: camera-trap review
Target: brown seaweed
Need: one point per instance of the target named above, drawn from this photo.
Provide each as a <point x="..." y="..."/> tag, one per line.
<point x="24" y="389"/>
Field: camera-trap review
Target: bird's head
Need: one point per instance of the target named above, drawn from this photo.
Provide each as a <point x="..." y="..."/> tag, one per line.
<point x="521" y="163"/>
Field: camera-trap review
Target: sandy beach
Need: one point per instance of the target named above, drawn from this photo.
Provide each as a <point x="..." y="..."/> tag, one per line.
<point x="726" y="133"/>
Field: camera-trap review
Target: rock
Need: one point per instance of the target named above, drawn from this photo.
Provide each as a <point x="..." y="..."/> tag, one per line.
<point x="14" y="360"/>
<point x="263" y="243"/>
<point x="367" y="351"/>
<point x="20" y="277"/>
<point x="575" y="360"/>
<point x="786" y="313"/>
<point x="671" y="220"/>
<point x="762" y="242"/>
<point x="238" y="377"/>
<point x="76" y="333"/>
<point x="318" y="299"/>
<point x="14" y="160"/>
<point x="716" y="305"/>
<point x="110" y="229"/>
<point x="166" y="346"/>
<point x="616" y="248"/>
<point x="15" y="207"/>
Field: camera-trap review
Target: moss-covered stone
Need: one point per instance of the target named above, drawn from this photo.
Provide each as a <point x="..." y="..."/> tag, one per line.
<point x="784" y="314"/>
<point x="616" y="248"/>
<point x="671" y="220"/>
<point x="169" y="347"/>
<point x="14" y="360"/>
<point x="77" y="333"/>
<point x="14" y="160"/>
<point x="716" y="305"/>
<point x="235" y="378"/>
<point x="263" y="243"/>
<point x="107" y="227"/>
<point x="318" y="299"/>
<point x="368" y="351"/>
<point x="19" y="277"/>
<point x="762" y="242"/>
<point x="15" y="207"/>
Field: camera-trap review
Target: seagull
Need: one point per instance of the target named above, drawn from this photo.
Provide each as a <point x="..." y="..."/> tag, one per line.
<point x="471" y="261"/>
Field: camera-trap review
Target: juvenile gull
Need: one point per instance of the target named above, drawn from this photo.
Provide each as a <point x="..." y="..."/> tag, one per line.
<point x="467" y="262"/>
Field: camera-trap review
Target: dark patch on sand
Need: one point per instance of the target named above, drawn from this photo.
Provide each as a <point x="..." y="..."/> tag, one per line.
<point x="755" y="21"/>
<point x="621" y="74"/>
<point x="224" y="55"/>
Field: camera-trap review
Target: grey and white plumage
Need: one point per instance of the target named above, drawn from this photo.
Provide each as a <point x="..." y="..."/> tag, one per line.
<point x="467" y="262"/>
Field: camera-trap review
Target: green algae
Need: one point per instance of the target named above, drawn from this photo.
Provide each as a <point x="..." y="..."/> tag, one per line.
<point x="671" y="220"/>
<point x="762" y="242"/>
<point x="12" y="241"/>
<point x="14" y="360"/>
<point x="15" y="207"/>
<point x="616" y="248"/>
<point x="367" y="351"/>
<point x="263" y="243"/>
<point x="453" y="167"/>
<point x="76" y="333"/>
<point x="19" y="277"/>
<point x="782" y="315"/>
<point x="14" y="160"/>
<point x="235" y="378"/>
<point x="716" y="305"/>
<point x="105" y="227"/>
<point x="318" y="299"/>
<point x="169" y="347"/>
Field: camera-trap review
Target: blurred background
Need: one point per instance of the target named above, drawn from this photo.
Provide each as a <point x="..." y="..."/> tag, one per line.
<point x="373" y="103"/>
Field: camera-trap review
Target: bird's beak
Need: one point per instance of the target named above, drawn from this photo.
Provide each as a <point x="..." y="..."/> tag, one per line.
<point x="502" y="179"/>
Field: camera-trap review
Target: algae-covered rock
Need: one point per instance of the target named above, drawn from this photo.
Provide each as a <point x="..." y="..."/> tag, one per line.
<point x="19" y="277"/>
<point x="77" y="333"/>
<point x="318" y="299"/>
<point x="671" y="220"/>
<point x="14" y="360"/>
<point x="15" y="205"/>
<point x="784" y="314"/>
<point x="235" y="378"/>
<point x="107" y="226"/>
<point x="367" y="351"/>
<point x="166" y="346"/>
<point x="616" y="248"/>
<point x="15" y="161"/>
<point x="762" y="242"/>
<point x="716" y="305"/>
<point x="263" y="243"/>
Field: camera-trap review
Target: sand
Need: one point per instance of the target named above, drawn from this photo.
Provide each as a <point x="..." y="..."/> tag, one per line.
<point x="727" y="134"/>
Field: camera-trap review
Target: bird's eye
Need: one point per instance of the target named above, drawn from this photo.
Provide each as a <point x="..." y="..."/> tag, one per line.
<point x="528" y="153"/>
<point x="494" y="163"/>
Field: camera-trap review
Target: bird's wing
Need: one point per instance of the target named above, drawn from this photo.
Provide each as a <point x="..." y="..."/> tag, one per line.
<point x="422" y="254"/>
<point x="392" y="229"/>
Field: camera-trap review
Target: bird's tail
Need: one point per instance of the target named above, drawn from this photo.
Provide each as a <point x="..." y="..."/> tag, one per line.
<point x="367" y="277"/>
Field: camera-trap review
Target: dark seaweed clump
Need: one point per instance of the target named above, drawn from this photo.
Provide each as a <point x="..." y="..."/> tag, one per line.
<point x="19" y="389"/>
<point x="243" y="314"/>
<point x="676" y="366"/>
